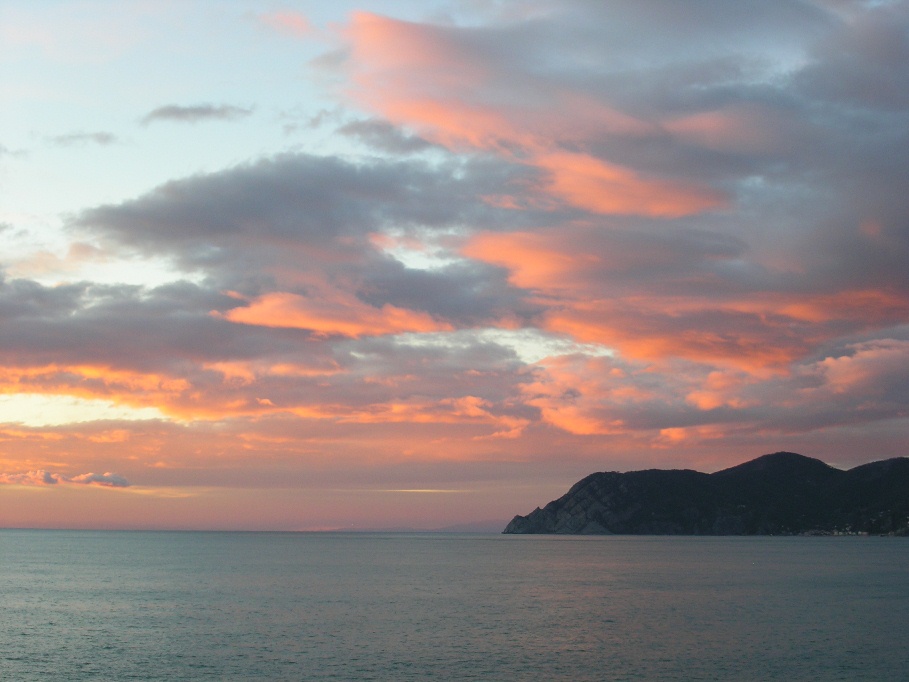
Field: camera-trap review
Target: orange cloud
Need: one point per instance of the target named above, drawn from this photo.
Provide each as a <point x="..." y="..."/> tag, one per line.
<point x="395" y="53"/>
<point x="344" y="315"/>
<point x="93" y="382"/>
<point x="22" y="435"/>
<point x="245" y="373"/>
<point x="462" y="410"/>
<point x="177" y="397"/>
<point x="867" y="369"/>
<point x="422" y="77"/>
<point x="757" y="333"/>
<point x="574" y="283"/>
<point x="690" y="435"/>
<point x="865" y="306"/>
<point x="112" y="436"/>
<point x="581" y="395"/>
<point x="586" y="182"/>
<point x="584" y="283"/>
<point x="655" y="329"/>
<point x="87" y="381"/>
<point x="532" y="262"/>
<point x="720" y="389"/>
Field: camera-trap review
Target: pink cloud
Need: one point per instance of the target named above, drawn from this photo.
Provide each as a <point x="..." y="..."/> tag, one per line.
<point x="586" y="396"/>
<point x="337" y="314"/>
<point x="872" y="368"/>
<point x="291" y="23"/>
<point x="584" y="181"/>
<point x="655" y="297"/>
<point x="741" y="128"/>
<point x="433" y="80"/>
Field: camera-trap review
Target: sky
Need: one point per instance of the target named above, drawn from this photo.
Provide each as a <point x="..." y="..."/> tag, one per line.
<point x="309" y="266"/>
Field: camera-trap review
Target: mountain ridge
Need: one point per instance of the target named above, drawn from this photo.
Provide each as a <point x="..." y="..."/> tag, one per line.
<point x="782" y="493"/>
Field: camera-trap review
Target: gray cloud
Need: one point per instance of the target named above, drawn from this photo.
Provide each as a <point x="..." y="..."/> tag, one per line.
<point x="384" y="137"/>
<point x="196" y="113"/>
<point x="780" y="312"/>
<point x="304" y="198"/>
<point x="106" y="479"/>
<point x="43" y="477"/>
<point x="468" y="293"/>
<point x="79" y="138"/>
<point x="792" y="109"/>
<point x="862" y="62"/>
<point x="7" y="152"/>
<point x="166" y="328"/>
<point x="296" y="221"/>
<point x="169" y="333"/>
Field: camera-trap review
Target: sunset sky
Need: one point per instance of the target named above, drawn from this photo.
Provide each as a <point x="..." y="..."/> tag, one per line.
<point x="311" y="265"/>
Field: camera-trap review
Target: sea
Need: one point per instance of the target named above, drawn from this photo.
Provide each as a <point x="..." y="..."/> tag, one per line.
<point x="112" y="605"/>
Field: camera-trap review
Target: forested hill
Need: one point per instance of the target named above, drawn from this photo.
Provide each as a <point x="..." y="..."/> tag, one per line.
<point x="779" y="494"/>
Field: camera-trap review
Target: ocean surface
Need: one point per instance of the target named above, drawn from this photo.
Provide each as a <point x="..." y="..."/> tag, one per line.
<point x="77" y="605"/>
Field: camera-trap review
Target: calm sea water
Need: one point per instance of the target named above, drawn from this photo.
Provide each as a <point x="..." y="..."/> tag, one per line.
<point x="284" y="606"/>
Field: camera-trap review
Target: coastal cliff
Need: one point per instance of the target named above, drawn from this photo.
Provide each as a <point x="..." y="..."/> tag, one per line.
<point x="779" y="494"/>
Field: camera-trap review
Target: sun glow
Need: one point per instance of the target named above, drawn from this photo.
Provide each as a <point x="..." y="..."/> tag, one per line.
<point x="37" y="410"/>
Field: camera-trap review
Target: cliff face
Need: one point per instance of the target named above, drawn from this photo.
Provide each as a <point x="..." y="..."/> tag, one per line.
<point x="782" y="493"/>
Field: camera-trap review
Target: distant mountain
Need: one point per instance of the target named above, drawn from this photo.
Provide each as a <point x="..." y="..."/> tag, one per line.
<point x="779" y="494"/>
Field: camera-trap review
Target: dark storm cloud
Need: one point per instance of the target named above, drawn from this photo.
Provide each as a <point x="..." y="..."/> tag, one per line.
<point x="196" y="113"/>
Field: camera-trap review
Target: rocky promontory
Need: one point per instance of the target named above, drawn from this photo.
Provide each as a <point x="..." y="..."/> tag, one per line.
<point x="779" y="494"/>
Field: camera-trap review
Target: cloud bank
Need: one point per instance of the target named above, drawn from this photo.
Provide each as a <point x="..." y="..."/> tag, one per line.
<point x="571" y="235"/>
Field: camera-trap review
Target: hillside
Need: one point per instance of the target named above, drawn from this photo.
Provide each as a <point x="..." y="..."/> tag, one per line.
<point x="779" y="494"/>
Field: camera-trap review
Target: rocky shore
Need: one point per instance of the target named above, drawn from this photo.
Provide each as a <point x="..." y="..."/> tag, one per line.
<point x="778" y="494"/>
